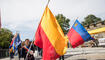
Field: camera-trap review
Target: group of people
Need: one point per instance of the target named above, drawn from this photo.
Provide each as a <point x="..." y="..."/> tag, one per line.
<point x="27" y="52"/>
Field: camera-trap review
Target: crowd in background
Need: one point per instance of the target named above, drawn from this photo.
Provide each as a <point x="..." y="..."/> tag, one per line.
<point x="26" y="51"/>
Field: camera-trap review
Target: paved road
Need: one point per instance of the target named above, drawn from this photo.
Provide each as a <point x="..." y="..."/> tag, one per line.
<point x="86" y="57"/>
<point x="80" y="54"/>
<point x="85" y="54"/>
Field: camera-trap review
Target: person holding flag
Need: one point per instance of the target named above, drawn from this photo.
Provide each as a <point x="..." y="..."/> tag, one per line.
<point x="25" y="48"/>
<point x="27" y="52"/>
<point x="13" y="48"/>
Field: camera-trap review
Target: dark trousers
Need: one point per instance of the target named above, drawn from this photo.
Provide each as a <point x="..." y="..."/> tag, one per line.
<point x="61" y="58"/>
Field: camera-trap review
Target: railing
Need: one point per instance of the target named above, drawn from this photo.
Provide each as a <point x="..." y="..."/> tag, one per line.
<point x="4" y="53"/>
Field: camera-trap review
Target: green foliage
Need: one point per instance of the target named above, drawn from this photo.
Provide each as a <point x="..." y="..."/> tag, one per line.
<point x="5" y="38"/>
<point x="64" y="22"/>
<point x="91" y="19"/>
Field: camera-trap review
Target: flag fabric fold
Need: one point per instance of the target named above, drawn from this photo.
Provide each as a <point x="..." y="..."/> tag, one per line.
<point x="50" y="37"/>
<point x="77" y="35"/>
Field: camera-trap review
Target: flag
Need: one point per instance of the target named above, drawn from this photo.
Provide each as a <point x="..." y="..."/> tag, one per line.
<point x="15" y="43"/>
<point x="77" y="35"/>
<point x="97" y="31"/>
<point x="50" y="37"/>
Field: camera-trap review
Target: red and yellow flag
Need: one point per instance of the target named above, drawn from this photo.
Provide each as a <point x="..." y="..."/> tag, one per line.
<point x="50" y="37"/>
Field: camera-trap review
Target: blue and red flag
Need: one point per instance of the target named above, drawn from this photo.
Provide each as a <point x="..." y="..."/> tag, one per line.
<point x="16" y="41"/>
<point x="77" y="35"/>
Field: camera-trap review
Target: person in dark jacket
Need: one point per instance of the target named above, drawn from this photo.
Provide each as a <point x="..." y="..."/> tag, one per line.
<point x="26" y="53"/>
<point x="20" y="51"/>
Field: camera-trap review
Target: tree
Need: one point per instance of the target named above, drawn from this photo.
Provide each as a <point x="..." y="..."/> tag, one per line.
<point x="64" y="22"/>
<point x="91" y="19"/>
<point x="5" y="38"/>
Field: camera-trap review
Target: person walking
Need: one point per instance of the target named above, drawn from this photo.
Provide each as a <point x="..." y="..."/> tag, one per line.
<point x="25" y="50"/>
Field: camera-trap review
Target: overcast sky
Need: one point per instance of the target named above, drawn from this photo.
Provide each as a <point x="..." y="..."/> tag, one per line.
<point x="24" y="15"/>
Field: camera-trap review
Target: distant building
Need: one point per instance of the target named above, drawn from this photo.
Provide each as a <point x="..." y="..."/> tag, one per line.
<point x="99" y="36"/>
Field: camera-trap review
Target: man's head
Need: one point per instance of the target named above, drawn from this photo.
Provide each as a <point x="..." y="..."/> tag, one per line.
<point x="27" y="42"/>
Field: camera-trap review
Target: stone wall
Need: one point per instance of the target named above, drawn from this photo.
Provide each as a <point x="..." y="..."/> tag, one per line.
<point x="97" y="36"/>
<point x="96" y="26"/>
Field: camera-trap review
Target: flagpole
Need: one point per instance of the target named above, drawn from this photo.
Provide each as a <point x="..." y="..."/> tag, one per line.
<point x="48" y="2"/>
<point x="30" y="47"/>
